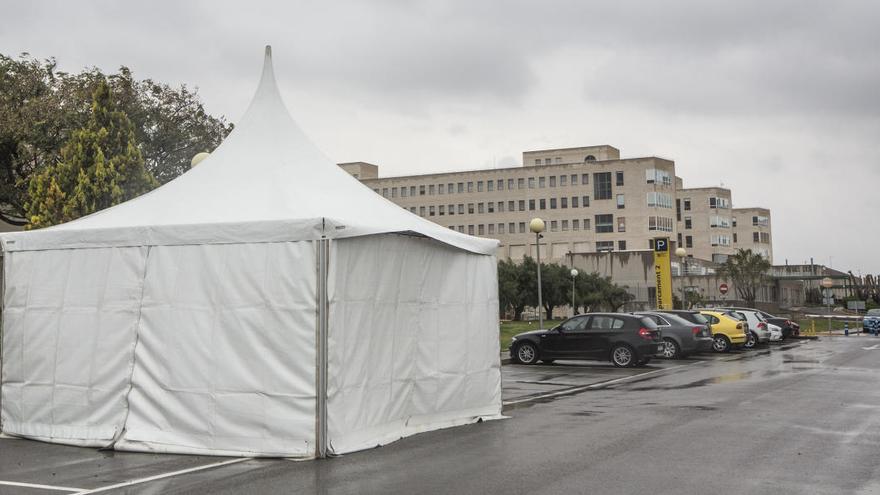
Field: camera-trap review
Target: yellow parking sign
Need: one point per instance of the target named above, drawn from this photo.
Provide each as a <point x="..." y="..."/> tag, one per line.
<point x="663" y="273"/>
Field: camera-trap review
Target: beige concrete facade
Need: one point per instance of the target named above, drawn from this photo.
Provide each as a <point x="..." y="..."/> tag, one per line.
<point x="751" y="230"/>
<point x="590" y="198"/>
<point x="705" y="227"/>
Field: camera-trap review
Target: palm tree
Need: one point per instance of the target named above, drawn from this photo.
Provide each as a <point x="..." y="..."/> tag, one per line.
<point x="748" y="271"/>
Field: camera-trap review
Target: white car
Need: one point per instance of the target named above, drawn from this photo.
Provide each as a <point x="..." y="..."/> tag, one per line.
<point x="758" y="330"/>
<point x="775" y="332"/>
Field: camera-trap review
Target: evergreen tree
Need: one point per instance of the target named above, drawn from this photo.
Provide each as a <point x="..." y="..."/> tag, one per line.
<point x="100" y="166"/>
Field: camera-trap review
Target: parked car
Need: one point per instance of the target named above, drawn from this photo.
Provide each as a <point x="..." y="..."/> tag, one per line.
<point x="624" y="339"/>
<point x="758" y="332"/>
<point x="680" y="337"/>
<point x="789" y="328"/>
<point x="871" y="321"/>
<point x="775" y="332"/>
<point x="728" y="329"/>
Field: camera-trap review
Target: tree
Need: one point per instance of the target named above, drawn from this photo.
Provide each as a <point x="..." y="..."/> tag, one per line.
<point x="509" y="295"/>
<point x="100" y="166"/>
<point x="614" y="296"/>
<point x="41" y="108"/>
<point x="748" y="271"/>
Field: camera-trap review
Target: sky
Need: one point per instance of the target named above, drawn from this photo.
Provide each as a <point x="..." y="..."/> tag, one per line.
<point x="777" y="100"/>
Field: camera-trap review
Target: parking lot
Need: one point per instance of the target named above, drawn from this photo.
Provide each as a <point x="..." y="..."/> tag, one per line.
<point x="800" y="417"/>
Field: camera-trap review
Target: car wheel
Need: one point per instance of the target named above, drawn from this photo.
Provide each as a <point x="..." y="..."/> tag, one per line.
<point x="751" y="340"/>
<point x="721" y="344"/>
<point x="527" y="353"/>
<point x="548" y="361"/>
<point x="671" y="350"/>
<point x="623" y="356"/>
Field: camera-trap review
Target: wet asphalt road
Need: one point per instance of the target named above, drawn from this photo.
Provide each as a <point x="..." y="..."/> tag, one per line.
<point x="798" y="418"/>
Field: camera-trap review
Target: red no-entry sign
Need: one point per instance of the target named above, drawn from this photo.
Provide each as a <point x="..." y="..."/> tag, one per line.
<point x="722" y="289"/>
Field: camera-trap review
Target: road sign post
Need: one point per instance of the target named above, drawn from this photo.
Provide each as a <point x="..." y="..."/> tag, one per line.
<point x="663" y="273"/>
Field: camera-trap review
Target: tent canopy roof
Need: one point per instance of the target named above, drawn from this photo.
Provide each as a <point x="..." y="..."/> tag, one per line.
<point x="266" y="182"/>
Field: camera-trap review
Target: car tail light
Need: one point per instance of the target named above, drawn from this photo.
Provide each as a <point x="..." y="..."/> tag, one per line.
<point x="788" y="323"/>
<point x="739" y="326"/>
<point x="645" y="334"/>
<point x="697" y="330"/>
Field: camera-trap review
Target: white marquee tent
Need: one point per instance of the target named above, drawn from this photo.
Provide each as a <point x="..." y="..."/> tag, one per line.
<point x="265" y="303"/>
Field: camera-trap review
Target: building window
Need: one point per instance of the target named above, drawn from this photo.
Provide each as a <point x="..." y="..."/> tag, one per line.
<point x="563" y="202"/>
<point x="403" y="192"/>
<point x="575" y="225"/>
<point x="602" y="185"/>
<point x="734" y="238"/>
<point x="500" y="184"/>
<point x="531" y="182"/>
<point x="621" y="245"/>
<point x="604" y="223"/>
<point x="552" y="203"/>
<point x="574" y="201"/>
<point x="500" y="207"/>
<point x="621" y="202"/>
<point x="542" y="182"/>
<point x="543" y="204"/>
<point x="480" y="208"/>
<point x="441" y="210"/>
<point x="471" y="229"/>
<point x="554" y="226"/>
<point x="563" y="180"/>
<point x="585" y="201"/>
<point x="688" y="223"/>
<point x="590" y="158"/>
<point x="760" y="221"/>
<point x="461" y="208"/>
<point x="547" y="161"/>
<point x="511" y="206"/>
<point x="585" y="179"/>
<point x="479" y="186"/>
<point x="491" y="228"/>
<point x="490" y="185"/>
<point x="663" y="224"/>
<point x="564" y="225"/>
<point x="679" y="239"/>
<point x="520" y="183"/>
<point x="688" y="241"/>
<point x="421" y="190"/>
<point x="431" y="190"/>
<point x="604" y="246"/>
<point x="385" y="192"/>
<point x="441" y="189"/>
<point x="653" y="175"/>
<point x="558" y="159"/>
<point x="511" y="227"/>
<point x="621" y="224"/>
<point x="450" y="187"/>
<point x="461" y="187"/>
<point x="537" y="161"/>
<point x="552" y="181"/>
<point x="522" y="227"/>
<point x="531" y="205"/>
<point x="470" y="187"/>
<point x="421" y="211"/>
<point x="756" y="237"/>
<point x="471" y="208"/>
<point x="659" y="200"/>
<point x="431" y="211"/>
<point x="619" y="177"/>
<point x="687" y="204"/>
<point x="718" y="203"/>
<point x="452" y="209"/>
<point x="586" y="224"/>
<point x="678" y="210"/>
<point x="461" y="228"/>
<point x="574" y="179"/>
<point x="522" y="205"/>
<point x="719" y="221"/>
<point x="733" y="222"/>
<point x="510" y="185"/>
<point x="500" y="228"/>
<point x="393" y="192"/>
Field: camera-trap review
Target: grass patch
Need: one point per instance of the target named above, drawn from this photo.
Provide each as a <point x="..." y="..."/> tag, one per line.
<point x="511" y="328"/>
<point x="822" y="324"/>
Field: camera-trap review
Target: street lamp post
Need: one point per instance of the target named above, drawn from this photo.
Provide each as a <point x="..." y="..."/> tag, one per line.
<point x="682" y="255"/>
<point x="574" y="274"/>
<point x="827" y="283"/>
<point x="536" y="225"/>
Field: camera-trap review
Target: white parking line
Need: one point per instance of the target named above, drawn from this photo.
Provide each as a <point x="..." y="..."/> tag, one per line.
<point x="164" y="475"/>
<point x="41" y="487"/>
<point x="574" y="390"/>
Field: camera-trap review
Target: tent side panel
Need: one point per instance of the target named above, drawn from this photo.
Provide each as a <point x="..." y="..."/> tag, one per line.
<point x="225" y="362"/>
<point x="70" y="321"/>
<point x="414" y="340"/>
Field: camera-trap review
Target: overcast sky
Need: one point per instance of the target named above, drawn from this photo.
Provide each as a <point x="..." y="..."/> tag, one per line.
<point x="777" y="100"/>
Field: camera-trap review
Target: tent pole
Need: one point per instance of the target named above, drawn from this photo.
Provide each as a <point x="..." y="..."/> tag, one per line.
<point x="323" y="246"/>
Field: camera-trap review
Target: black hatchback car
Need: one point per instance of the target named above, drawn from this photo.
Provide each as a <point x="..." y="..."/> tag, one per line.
<point x="624" y="339"/>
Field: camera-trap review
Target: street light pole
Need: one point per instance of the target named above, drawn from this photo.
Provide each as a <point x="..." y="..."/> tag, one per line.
<point x="537" y="226"/>
<point x="827" y="283"/>
<point x="574" y="274"/>
<point x="682" y="255"/>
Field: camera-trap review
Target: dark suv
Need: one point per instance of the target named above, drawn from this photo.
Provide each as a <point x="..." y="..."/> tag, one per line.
<point x="624" y="339"/>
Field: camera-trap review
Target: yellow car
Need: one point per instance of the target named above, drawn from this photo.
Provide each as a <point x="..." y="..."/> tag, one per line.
<point x="728" y="330"/>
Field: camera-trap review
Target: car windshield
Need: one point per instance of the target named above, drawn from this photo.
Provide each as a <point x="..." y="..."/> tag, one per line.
<point x="874" y="312"/>
<point x="700" y="318"/>
<point x="735" y="315"/>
